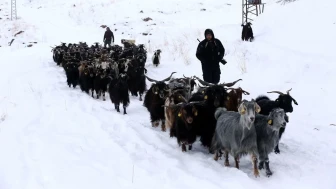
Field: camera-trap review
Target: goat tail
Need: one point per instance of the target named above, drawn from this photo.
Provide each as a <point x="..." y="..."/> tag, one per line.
<point x="219" y="112"/>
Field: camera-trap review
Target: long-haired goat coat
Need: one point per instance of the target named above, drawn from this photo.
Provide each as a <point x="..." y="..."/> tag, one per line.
<point x="156" y="57"/>
<point x="247" y="33"/>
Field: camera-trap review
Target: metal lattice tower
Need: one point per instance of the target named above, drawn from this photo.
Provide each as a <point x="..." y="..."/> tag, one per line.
<point x="254" y="7"/>
<point x="13" y="10"/>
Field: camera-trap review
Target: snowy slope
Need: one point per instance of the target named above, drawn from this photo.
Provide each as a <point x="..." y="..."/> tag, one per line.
<point x="53" y="137"/>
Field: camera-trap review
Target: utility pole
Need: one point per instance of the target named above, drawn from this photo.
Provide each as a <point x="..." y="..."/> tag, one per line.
<point x="13" y="10"/>
<point x="254" y="7"/>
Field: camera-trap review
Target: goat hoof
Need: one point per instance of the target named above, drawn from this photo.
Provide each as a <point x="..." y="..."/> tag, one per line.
<point x="277" y="151"/>
<point x="184" y="148"/>
<point x="269" y="173"/>
<point x="261" y="166"/>
<point x="227" y="164"/>
<point x="256" y="173"/>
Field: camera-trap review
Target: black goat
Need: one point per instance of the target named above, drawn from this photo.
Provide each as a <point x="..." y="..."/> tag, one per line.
<point x="155" y="99"/>
<point x="247" y="33"/>
<point x="214" y="96"/>
<point x="72" y="74"/>
<point x="137" y="79"/>
<point x="118" y="90"/>
<point x="284" y="101"/>
<point x="100" y="82"/>
<point x="156" y="58"/>
<point x="86" y="80"/>
<point x="182" y="127"/>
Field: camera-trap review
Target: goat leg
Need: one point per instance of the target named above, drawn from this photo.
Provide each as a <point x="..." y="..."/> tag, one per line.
<point x="118" y="109"/>
<point x="124" y="110"/>
<point x="163" y="126"/>
<point x="97" y="94"/>
<point x="216" y="155"/>
<point x="155" y="123"/>
<point x="268" y="170"/>
<point x="237" y="161"/>
<point x="140" y="98"/>
<point x="255" y="165"/>
<point x="92" y="92"/>
<point x="220" y="153"/>
<point x="190" y="147"/>
<point x="104" y="96"/>
<point x="226" y="159"/>
<point x="261" y="165"/>
<point x="184" y="148"/>
<point x="276" y="149"/>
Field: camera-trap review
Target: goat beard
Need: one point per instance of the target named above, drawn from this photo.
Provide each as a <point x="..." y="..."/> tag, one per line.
<point x="216" y="103"/>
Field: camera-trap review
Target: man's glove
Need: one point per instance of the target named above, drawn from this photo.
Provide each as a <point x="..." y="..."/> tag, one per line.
<point x="223" y="61"/>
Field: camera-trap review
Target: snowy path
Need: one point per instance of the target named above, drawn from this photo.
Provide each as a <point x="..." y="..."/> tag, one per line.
<point x="65" y="139"/>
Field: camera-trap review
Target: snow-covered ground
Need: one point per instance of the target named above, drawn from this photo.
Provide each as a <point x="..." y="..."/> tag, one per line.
<point x="54" y="137"/>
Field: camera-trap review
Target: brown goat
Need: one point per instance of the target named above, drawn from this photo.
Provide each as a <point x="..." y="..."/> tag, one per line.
<point x="81" y="68"/>
<point x="175" y="98"/>
<point x="234" y="98"/>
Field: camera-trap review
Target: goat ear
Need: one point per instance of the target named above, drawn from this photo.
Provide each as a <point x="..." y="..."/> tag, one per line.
<point x="241" y="109"/>
<point x="286" y="118"/>
<point x="205" y="97"/>
<point x="179" y="114"/>
<point x="154" y="90"/>
<point x="195" y="113"/>
<point x="270" y="122"/>
<point x="257" y="108"/>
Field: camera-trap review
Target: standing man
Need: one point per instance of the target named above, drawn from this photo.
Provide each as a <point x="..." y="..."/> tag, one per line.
<point x="108" y="37"/>
<point x="210" y="52"/>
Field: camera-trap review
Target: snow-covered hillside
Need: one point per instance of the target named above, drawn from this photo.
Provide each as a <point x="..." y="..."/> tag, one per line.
<point x="54" y="137"/>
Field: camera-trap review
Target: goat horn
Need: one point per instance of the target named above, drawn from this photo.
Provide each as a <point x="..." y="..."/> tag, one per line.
<point x="204" y="82"/>
<point x="174" y="105"/>
<point x="245" y="92"/>
<point x="231" y="88"/>
<point x="278" y="92"/>
<point x="151" y="80"/>
<point x="294" y="101"/>
<point x="230" y="84"/>
<point x="186" y="77"/>
<point x="289" y="90"/>
<point x="178" y="90"/>
<point x="168" y="78"/>
<point x="197" y="102"/>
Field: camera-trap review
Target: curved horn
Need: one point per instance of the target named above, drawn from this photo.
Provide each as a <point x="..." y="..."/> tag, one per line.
<point x="245" y="92"/>
<point x="204" y="82"/>
<point x="278" y="92"/>
<point x="179" y="90"/>
<point x="230" y="84"/>
<point x="197" y="102"/>
<point x="186" y="77"/>
<point x="151" y="80"/>
<point x="288" y="91"/>
<point x="294" y="101"/>
<point x="168" y="78"/>
<point x="174" y="105"/>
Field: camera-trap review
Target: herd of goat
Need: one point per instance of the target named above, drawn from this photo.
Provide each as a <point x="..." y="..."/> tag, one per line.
<point x="217" y="113"/>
